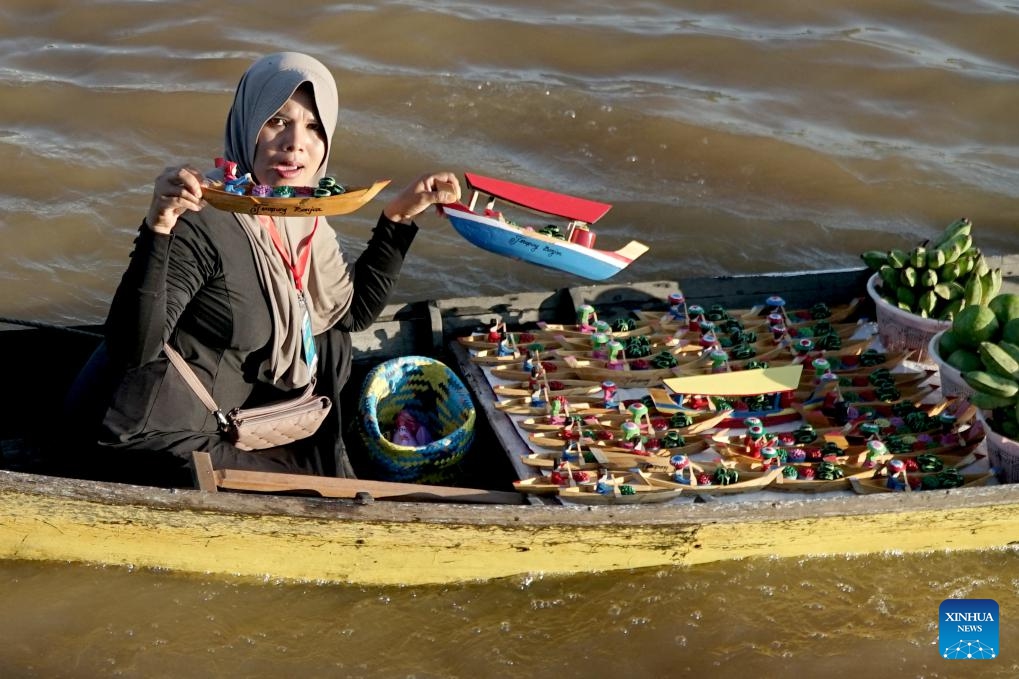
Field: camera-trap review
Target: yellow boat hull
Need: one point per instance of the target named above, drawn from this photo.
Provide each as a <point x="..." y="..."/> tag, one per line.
<point x="336" y="541"/>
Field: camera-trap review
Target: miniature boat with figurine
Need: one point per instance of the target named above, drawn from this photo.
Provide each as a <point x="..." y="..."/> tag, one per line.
<point x="574" y="253"/>
<point x="372" y="532"/>
<point x="632" y="489"/>
<point x="868" y="485"/>
<point x="721" y="478"/>
<point x="351" y="200"/>
<point x="616" y="459"/>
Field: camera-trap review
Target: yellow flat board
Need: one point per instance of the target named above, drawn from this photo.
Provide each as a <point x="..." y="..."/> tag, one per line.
<point x="739" y="382"/>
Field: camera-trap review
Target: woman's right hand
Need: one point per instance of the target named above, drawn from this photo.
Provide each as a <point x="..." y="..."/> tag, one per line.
<point x="177" y="190"/>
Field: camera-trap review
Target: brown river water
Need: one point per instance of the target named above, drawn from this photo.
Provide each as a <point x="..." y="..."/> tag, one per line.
<point x="730" y="137"/>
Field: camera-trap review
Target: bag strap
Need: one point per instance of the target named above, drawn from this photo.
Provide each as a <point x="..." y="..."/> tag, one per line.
<point x="196" y="385"/>
<point x="200" y="391"/>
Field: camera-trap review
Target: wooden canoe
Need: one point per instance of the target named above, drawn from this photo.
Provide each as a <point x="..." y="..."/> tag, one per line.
<point x="632" y="489"/>
<point x="345" y="537"/>
<point x="616" y="458"/>
<point x="700" y="422"/>
<point x="750" y="480"/>
<point x="557" y="388"/>
<point x="641" y="495"/>
<point x="871" y="485"/>
<point x="545" y="485"/>
<point x="576" y="333"/>
<point x="536" y="485"/>
<point x="757" y="315"/>
<point x="351" y="200"/>
<point x="516" y="371"/>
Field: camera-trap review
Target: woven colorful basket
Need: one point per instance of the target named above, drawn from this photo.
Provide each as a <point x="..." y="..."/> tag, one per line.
<point x="437" y="399"/>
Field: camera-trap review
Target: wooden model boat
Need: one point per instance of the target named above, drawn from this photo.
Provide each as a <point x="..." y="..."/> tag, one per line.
<point x="615" y="459"/>
<point x="861" y="390"/>
<point x="546" y="485"/>
<point x="817" y="485"/>
<point x="579" y="388"/>
<point x="633" y="489"/>
<point x="537" y="485"/>
<point x="700" y="422"/>
<point x="575" y="254"/>
<point x="590" y="404"/>
<point x="575" y="332"/>
<point x="867" y="485"/>
<point x="522" y="342"/>
<point x="629" y="494"/>
<point x="517" y="371"/>
<point x="473" y="531"/>
<point x="345" y="203"/>
<point x="748" y="480"/>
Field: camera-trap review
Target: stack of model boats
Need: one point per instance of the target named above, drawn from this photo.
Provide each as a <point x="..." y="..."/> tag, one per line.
<point x="694" y="401"/>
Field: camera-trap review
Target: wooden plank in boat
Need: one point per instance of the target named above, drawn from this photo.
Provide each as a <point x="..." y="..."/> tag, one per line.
<point x="268" y="482"/>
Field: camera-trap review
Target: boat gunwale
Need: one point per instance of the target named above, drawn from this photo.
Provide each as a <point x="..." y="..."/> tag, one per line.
<point x="510" y="516"/>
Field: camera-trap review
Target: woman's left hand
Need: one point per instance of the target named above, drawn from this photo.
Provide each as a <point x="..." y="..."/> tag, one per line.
<point x="431" y="189"/>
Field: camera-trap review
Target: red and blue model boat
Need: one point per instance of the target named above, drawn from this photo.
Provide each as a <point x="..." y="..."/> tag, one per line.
<point x="571" y="251"/>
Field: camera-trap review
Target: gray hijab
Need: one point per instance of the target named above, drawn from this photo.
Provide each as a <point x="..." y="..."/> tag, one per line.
<point x="328" y="286"/>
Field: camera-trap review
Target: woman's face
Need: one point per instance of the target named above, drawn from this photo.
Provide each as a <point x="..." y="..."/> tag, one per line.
<point x="292" y="144"/>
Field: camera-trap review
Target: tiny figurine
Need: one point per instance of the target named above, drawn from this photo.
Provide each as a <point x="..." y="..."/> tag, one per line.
<point x="776" y="307"/>
<point x="609" y="395"/>
<point x="802" y="347"/>
<point x="507" y="347"/>
<point x="779" y="334"/>
<point x="572" y="451"/>
<point x="599" y="345"/>
<point x="875" y="450"/>
<point x="631" y="434"/>
<point x="586" y="318"/>
<point x="495" y="331"/>
<point x="617" y="356"/>
<point x="677" y="307"/>
<point x="559" y="410"/>
<point x="408" y="431"/>
<point x="696" y="317"/>
<point x="538" y="377"/>
<point x="770" y="457"/>
<point x="755" y="440"/>
<point x="682" y="469"/>
<point x="642" y="418"/>
<point x="719" y="361"/>
<point x="605" y="484"/>
<point x="896" y="470"/>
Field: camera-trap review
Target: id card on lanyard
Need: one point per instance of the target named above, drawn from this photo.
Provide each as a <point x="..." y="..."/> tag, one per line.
<point x="297" y="272"/>
<point x="310" y="353"/>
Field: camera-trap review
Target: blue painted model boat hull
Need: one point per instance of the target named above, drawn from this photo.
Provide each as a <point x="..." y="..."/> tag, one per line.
<point x="535" y="248"/>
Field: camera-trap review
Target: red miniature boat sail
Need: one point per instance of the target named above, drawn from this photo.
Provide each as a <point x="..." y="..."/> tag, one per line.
<point x="540" y="200"/>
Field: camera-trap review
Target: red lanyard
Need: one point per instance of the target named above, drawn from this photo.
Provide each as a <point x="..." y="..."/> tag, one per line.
<point x="303" y="250"/>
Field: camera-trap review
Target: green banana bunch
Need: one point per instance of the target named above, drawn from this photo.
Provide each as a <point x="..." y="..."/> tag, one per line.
<point x="939" y="277"/>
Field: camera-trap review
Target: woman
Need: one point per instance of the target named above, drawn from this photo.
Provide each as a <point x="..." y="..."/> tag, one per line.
<point x="232" y="293"/>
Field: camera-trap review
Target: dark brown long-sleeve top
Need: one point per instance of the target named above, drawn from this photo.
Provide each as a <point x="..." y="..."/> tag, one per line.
<point x="199" y="289"/>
